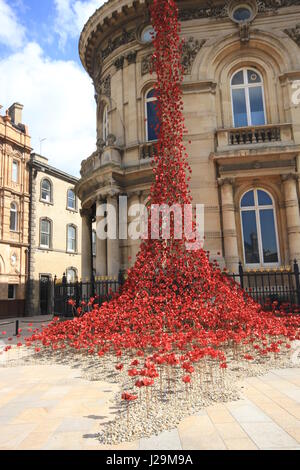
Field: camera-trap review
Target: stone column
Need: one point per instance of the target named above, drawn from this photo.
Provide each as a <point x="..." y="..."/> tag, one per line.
<point x="229" y="225"/>
<point x="101" y="245"/>
<point x="292" y="214"/>
<point x="86" y="245"/>
<point x="113" y="244"/>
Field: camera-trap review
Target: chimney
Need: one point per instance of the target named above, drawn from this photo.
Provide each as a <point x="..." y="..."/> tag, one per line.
<point x="15" y="112"/>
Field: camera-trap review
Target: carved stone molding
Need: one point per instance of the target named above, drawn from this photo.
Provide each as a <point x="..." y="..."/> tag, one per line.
<point x="290" y="176"/>
<point x="125" y="38"/>
<point x="103" y="87"/>
<point x="131" y="57"/>
<point x="190" y="49"/>
<point x="119" y="62"/>
<point x="146" y="64"/>
<point x="294" y="34"/>
<point x="244" y="32"/>
<point x="223" y="181"/>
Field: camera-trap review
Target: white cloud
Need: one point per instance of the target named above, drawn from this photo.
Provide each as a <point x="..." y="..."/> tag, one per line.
<point x="58" y="101"/>
<point x="71" y="15"/>
<point x="12" y="32"/>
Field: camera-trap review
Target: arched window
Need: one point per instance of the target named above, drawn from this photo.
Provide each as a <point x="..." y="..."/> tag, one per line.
<point x="13" y="225"/>
<point x="94" y="238"/>
<point x="105" y="123"/>
<point x="71" y="200"/>
<point x="46" y="190"/>
<point x="71" y="275"/>
<point x="152" y="121"/>
<point x="45" y="233"/>
<point x="259" y="228"/>
<point x="247" y="94"/>
<point x="71" y="238"/>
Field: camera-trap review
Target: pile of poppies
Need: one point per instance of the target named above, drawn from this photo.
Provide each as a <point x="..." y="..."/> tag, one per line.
<point x="177" y="310"/>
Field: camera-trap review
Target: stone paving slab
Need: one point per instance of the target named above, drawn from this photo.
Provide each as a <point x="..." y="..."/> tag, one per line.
<point x="51" y="407"/>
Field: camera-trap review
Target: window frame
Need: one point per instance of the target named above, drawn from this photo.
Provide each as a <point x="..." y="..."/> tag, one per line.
<point x="94" y="243"/>
<point x="256" y="209"/>
<point x="45" y="247"/>
<point x="16" y="212"/>
<point x="15" y="164"/>
<point x="50" y="191"/>
<point x="245" y="86"/>
<point x="74" y="209"/>
<point x="148" y="100"/>
<point x="105" y="123"/>
<point x="14" y="286"/>
<point x="71" y="268"/>
<point x="75" y="239"/>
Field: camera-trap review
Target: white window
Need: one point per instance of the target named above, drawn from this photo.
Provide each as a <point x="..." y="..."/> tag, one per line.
<point x="15" y="171"/>
<point x="152" y="122"/>
<point x="94" y="238"/>
<point x="71" y="238"/>
<point x="247" y="93"/>
<point x="12" y="292"/>
<point x="71" y="275"/>
<point x="259" y="229"/>
<point x="45" y="233"/>
<point x="71" y="200"/>
<point x="105" y="124"/>
<point x="13" y="225"/>
<point x="46" y="191"/>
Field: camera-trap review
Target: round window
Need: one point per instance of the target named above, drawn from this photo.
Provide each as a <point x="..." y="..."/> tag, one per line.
<point x="148" y="34"/>
<point x="242" y="13"/>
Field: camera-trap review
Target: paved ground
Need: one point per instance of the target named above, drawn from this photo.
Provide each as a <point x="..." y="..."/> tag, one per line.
<point x="51" y="407"/>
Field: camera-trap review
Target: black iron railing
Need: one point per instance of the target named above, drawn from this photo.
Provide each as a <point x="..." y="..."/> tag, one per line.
<point x="101" y="290"/>
<point x="267" y="286"/>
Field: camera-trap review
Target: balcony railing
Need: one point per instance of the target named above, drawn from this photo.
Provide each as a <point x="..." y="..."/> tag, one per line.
<point x="270" y="134"/>
<point x="148" y="150"/>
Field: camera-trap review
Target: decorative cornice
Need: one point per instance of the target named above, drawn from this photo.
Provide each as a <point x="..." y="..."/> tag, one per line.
<point x="114" y="10"/>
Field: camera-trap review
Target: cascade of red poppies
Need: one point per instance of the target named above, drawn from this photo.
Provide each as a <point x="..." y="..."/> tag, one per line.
<point x="176" y="307"/>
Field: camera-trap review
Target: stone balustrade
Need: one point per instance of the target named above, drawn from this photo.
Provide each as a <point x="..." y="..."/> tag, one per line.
<point x="148" y="150"/>
<point x="254" y="135"/>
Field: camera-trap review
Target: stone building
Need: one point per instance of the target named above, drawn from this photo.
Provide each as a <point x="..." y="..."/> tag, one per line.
<point x="241" y="94"/>
<point x="14" y="211"/>
<point x="55" y="233"/>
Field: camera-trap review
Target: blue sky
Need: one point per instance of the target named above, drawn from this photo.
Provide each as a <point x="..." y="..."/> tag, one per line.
<point x="40" y="67"/>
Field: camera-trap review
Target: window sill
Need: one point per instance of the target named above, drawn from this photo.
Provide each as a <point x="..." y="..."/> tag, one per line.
<point x="48" y="203"/>
<point x="72" y="210"/>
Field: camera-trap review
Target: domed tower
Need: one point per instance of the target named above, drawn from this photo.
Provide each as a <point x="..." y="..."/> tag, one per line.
<point x="241" y="61"/>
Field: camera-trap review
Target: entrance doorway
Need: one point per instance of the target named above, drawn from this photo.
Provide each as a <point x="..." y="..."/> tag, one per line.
<point x="45" y="284"/>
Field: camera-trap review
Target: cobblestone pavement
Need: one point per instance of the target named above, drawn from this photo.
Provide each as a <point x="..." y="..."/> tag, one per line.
<point x="51" y="407"/>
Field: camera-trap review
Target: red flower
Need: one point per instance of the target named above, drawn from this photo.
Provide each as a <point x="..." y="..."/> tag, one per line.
<point x="128" y="396"/>
<point x="186" y="379"/>
<point x="120" y="367"/>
